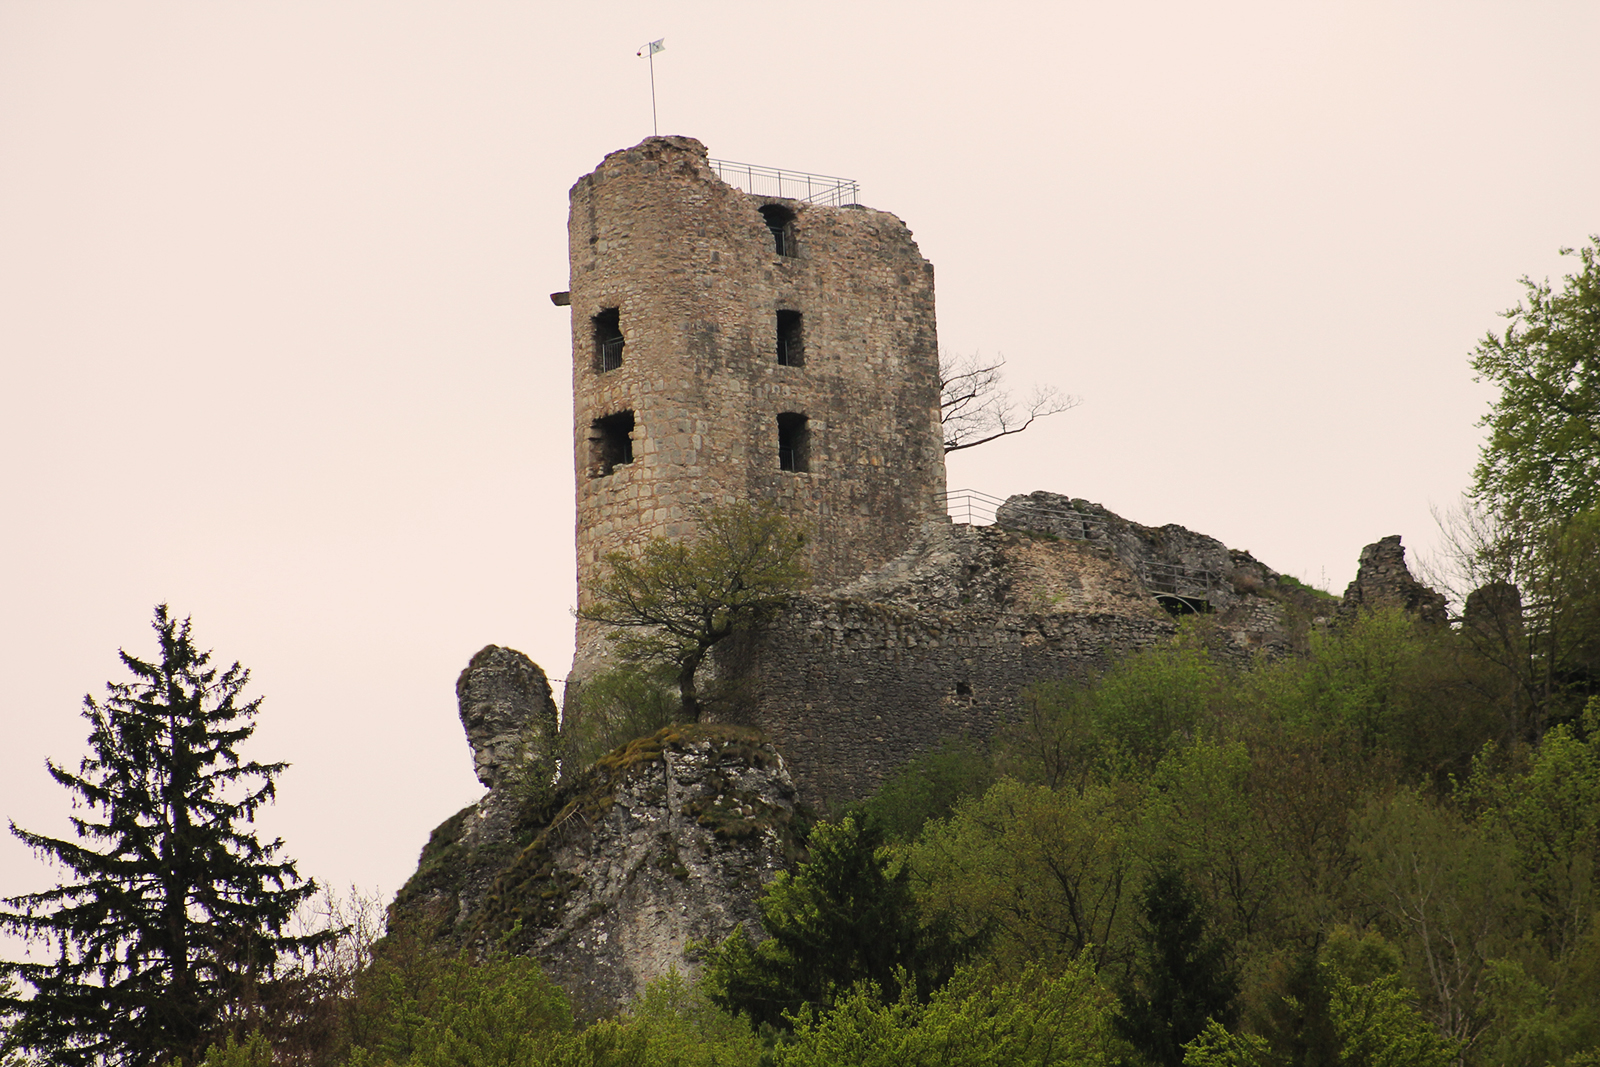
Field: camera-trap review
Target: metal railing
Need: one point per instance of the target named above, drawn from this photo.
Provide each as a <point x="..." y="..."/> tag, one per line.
<point x="1179" y="581"/>
<point x="971" y="507"/>
<point x="788" y="184"/>
<point x="981" y="509"/>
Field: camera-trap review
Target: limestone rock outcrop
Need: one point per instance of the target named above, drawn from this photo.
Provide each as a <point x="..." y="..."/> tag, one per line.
<point x="606" y="876"/>
<point x="507" y="710"/>
<point x="1384" y="581"/>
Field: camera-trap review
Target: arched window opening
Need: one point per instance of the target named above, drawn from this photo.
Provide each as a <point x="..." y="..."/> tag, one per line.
<point x="794" y="442"/>
<point x="780" y="220"/>
<point x="607" y="340"/>
<point x="610" y="443"/>
<point x="791" y="342"/>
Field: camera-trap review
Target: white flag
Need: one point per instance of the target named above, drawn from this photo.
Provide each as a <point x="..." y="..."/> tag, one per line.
<point x="654" y="47"/>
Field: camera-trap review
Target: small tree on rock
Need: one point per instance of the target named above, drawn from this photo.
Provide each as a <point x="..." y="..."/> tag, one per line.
<point x="676" y="599"/>
<point x="174" y="910"/>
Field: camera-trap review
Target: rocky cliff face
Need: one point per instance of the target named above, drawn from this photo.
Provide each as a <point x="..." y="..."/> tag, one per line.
<point x="608" y="875"/>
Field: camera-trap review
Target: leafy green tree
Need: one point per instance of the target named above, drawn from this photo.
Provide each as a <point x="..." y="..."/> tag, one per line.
<point x="174" y="909"/>
<point x="455" y="1012"/>
<point x="1549" y="815"/>
<point x="1185" y="979"/>
<point x="1045" y="874"/>
<point x="1372" y="1021"/>
<point x="1542" y="459"/>
<point x="1200" y="813"/>
<point x="1056" y="739"/>
<point x="672" y="1024"/>
<point x="676" y="599"/>
<point x="1040" y="1018"/>
<point x="1379" y="1026"/>
<point x="614" y="707"/>
<point x="1448" y="894"/>
<point x="1538" y="483"/>
<point x="846" y="915"/>
<point x="928" y="787"/>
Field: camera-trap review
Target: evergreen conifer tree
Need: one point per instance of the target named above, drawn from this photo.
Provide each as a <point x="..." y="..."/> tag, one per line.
<point x="174" y="913"/>
<point x="1185" y="979"/>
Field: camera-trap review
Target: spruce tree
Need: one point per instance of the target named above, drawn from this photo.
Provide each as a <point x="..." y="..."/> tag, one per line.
<point x="1185" y="978"/>
<point x="174" y="914"/>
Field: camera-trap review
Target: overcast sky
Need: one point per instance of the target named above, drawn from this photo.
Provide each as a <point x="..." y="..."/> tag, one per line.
<point x="277" y="347"/>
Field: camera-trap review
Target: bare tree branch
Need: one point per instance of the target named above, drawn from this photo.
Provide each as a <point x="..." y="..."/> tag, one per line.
<point x="976" y="409"/>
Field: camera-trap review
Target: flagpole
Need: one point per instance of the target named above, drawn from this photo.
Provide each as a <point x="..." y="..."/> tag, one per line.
<point x="650" y="50"/>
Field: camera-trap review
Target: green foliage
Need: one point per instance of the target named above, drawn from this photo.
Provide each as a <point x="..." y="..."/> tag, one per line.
<point x="928" y="787"/>
<point x="673" y="1024"/>
<point x="1397" y="687"/>
<point x="677" y="598"/>
<point x="1038" y="1019"/>
<point x="1152" y="701"/>
<point x="254" y="1051"/>
<point x="844" y="916"/>
<point x="1200" y="815"/>
<point x="1042" y="873"/>
<point x="1185" y="978"/>
<point x="423" y="1009"/>
<point x="1549" y="815"/>
<point x="1215" y="1046"/>
<point x="615" y="707"/>
<point x="1448" y="895"/>
<point x="1542" y="459"/>
<point x="1056" y="740"/>
<point x="174" y="913"/>
<point x="1378" y="1026"/>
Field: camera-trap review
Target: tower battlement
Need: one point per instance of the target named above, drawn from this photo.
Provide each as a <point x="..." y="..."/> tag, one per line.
<point x="730" y="347"/>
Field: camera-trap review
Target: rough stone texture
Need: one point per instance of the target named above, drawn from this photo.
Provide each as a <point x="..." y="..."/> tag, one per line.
<point x="940" y="642"/>
<point x="507" y="710"/>
<point x="612" y="874"/>
<point x="1383" y="581"/>
<point x="1170" y="559"/>
<point x="693" y="271"/>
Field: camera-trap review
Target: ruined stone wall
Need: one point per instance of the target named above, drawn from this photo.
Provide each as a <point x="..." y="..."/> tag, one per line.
<point x="939" y="644"/>
<point x="694" y="274"/>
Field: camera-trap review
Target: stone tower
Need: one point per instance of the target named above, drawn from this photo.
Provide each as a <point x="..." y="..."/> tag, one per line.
<point x="728" y="347"/>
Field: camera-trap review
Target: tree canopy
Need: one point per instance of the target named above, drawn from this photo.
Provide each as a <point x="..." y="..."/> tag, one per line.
<point x="173" y="909"/>
<point x="1542" y="458"/>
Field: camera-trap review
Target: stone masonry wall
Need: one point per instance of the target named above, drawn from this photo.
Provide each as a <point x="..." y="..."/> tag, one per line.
<point x="694" y="274"/>
<point x="939" y="644"/>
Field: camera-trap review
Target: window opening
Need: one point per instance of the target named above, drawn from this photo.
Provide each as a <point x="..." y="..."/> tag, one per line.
<point x="610" y="443"/>
<point x="780" y="220"/>
<point x="607" y="340"/>
<point x="794" y="443"/>
<point x="791" y="343"/>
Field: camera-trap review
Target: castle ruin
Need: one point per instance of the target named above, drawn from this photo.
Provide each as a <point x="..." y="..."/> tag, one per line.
<point x="731" y="348"/>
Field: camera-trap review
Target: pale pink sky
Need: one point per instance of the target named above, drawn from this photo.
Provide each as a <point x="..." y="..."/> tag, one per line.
<point x="277" y="349"/>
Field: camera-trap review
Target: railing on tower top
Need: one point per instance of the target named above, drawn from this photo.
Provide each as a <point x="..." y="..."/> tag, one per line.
<point x="788" y="184"/>
<point x="979" y="509"/>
